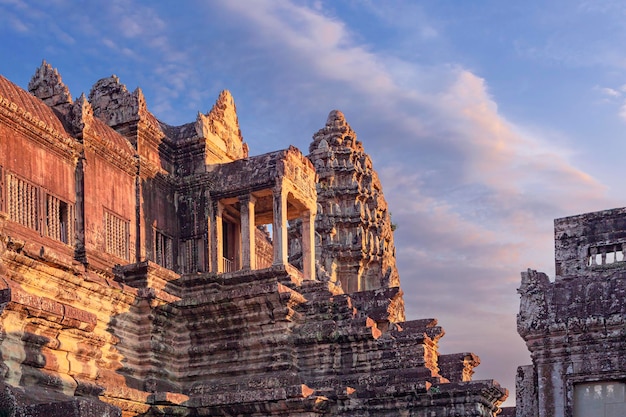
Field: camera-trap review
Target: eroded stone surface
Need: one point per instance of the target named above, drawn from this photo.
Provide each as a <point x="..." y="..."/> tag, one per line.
<point x="575" y="326"/>
<point x="137" y="276"/>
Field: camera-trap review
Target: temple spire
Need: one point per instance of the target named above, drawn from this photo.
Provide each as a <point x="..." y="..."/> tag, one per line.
<point x="46" y="84"/>
<point x="353" y="219"/>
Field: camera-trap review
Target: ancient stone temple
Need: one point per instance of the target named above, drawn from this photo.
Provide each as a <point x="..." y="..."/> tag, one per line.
<point x="575" y="326"/>
<point x="138" y="276"/>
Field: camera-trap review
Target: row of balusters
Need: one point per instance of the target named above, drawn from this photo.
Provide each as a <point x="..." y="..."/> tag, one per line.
<point x="607" y="254"/>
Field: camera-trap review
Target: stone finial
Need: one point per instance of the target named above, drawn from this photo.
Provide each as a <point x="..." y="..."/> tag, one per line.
<point x="221" y="127"/>
<point x="80" y="116"/>
<point x="336" y="132"/>
<point x="47" y="85"/>
<point x="336" y="118"/>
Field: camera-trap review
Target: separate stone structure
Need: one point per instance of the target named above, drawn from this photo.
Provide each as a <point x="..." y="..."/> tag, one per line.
<point x="137" y="277"/>
<point x="575" y="327"/>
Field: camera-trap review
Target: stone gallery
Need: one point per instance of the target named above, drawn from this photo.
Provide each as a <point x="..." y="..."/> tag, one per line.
<point x="157" y="270"/>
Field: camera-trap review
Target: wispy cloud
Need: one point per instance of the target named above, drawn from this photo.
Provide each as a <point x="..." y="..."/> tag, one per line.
<point x="610" y="92"/>
<point x="324" y="44"/>
<point x="17" y="24"/>
<point x="615" y="96"/>
<point x="622" y="111"/>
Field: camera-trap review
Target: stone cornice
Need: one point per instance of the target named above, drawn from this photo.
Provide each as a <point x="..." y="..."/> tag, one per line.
<point x="110" y="153"/>
<point x="150" y="170"/>
<point x="192" y="182"/>
<point x="149" y="124"/>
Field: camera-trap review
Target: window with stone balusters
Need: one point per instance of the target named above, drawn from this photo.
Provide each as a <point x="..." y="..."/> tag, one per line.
<point x="192" y="256"/>
<point x="23" y="202"/>
<point x="59" y="220"/>
<point x="163" y="253"/>
<point x="116" y="230"/>
<point x="189" y="255"/>
<point x="31" y="206"/>
<point x="604" y="255"/>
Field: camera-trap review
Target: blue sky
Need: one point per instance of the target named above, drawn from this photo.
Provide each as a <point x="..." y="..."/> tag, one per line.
<point x="486" y="120"/>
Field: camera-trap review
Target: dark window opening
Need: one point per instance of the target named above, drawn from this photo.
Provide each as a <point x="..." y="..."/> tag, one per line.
<point x="59" y="220"/>
<point x="163" y="254"/>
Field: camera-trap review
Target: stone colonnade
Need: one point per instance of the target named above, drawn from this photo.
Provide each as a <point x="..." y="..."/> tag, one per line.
<point x="282" y="194"/>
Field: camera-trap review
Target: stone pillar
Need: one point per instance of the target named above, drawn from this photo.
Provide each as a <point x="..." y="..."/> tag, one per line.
<point x="140" y="227"/>
<point x="526" y="391"/>
<point x="216" y="236"/>
<point x="236" y="246"/>
<point x="79" y="245"/>
<point x="308" y="244"/>
<point x="279" y="227"/>
<point x="248" y="248"/>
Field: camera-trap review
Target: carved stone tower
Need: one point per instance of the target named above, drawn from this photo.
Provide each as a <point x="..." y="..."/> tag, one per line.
<point x="354" y="229"/>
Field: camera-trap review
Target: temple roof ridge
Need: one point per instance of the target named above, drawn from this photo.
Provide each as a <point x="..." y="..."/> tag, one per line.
<point x="47" y="85"/>
<point x="19" y="101"/>
<point x="336" y="117"/>
<point x="221" y="121"/>
<point x="113" y="103"/>
<point x="221" y="125"/>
